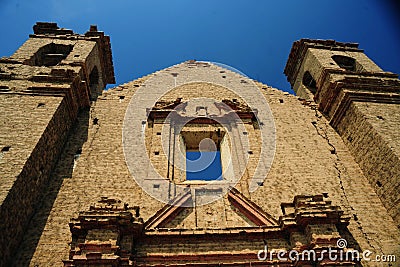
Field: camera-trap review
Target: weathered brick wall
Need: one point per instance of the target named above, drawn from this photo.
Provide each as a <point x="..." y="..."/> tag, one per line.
<point x="40" y="102"/>
<point x="310" y="158"/>
<point x="361" y="104"/>
<point x="203" y="246"/>
<point x="35" y="138"/>
<point x="100" y="170"/>
<point x="371" y="131"/>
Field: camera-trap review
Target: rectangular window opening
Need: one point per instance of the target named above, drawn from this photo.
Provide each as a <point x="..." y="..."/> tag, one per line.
<point x="203" y="155"/>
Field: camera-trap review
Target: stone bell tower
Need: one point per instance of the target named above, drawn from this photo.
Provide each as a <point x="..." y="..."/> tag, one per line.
<point x="361" y="102"/>
<point x="44" y="85"/>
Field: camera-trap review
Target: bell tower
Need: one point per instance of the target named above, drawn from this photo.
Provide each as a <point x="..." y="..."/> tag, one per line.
<point x="44" y="86"/>
<point x="361" y="102"/>
<point x="57" y="55"/>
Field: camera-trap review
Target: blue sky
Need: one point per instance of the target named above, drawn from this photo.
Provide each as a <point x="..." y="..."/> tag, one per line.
<point x="252" y="36"/>
<point x="203" y="165"/>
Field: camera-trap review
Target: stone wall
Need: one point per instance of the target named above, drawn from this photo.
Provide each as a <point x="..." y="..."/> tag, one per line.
<point x="43" y="86"/>
<point x="370" y="130"/>
<point x="361" y="104"/>
<point x="75" y="182"/>
<point x="310" y="158"/>
<point x="34" y="148"/>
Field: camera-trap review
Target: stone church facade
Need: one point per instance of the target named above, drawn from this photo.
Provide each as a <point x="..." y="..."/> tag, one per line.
<point x="100" y="178"/>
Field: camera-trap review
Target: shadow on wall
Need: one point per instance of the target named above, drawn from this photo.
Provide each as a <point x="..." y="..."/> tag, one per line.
<point x="78" y="135"/>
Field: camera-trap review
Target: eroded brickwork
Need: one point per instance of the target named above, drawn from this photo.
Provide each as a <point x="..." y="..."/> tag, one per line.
<point x="371" y="131"/>
<point x="361" y="102"/>
<point x="310" y="158"/>
<point x="43" y="86"/>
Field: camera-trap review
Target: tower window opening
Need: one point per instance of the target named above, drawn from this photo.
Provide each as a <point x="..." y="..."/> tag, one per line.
<point x="94" y="82"/>
<point x="345" y="62"/>
<point x="50" y="55"/>
<point x="309" y="82"/>
<point x="94" y="77"/>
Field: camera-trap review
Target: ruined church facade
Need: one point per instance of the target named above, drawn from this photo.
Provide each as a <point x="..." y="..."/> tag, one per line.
<point x="101" y="178"/>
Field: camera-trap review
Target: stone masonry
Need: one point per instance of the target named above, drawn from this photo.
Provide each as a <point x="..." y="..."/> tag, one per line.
<point x="44" y="85"/>
<point x="69" y="196"/>
<point x="361" y="102"/>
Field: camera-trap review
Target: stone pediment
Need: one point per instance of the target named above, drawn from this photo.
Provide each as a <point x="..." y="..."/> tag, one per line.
<point x="247" y="209"/>
<point x="202" y="107"/>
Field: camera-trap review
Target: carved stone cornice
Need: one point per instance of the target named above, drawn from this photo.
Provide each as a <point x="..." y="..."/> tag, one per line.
<point x="110" y="234"/>
<point x="104" y="235"/>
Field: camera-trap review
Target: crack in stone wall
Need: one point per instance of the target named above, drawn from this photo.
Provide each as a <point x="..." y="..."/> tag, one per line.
<point x="323" y="132"/>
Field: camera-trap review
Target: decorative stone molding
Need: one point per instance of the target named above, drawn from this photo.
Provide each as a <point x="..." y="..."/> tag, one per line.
<point x="104" y="235"/>
<point x="113" y="234"/>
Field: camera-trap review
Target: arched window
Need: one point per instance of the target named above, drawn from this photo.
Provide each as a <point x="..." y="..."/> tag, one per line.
<point x="50" y="55"/>
<point x="94" y="82"/>
<point x="309" y="82"/>
<point x="345" y="62"/>
<point x="94" y="77"/>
